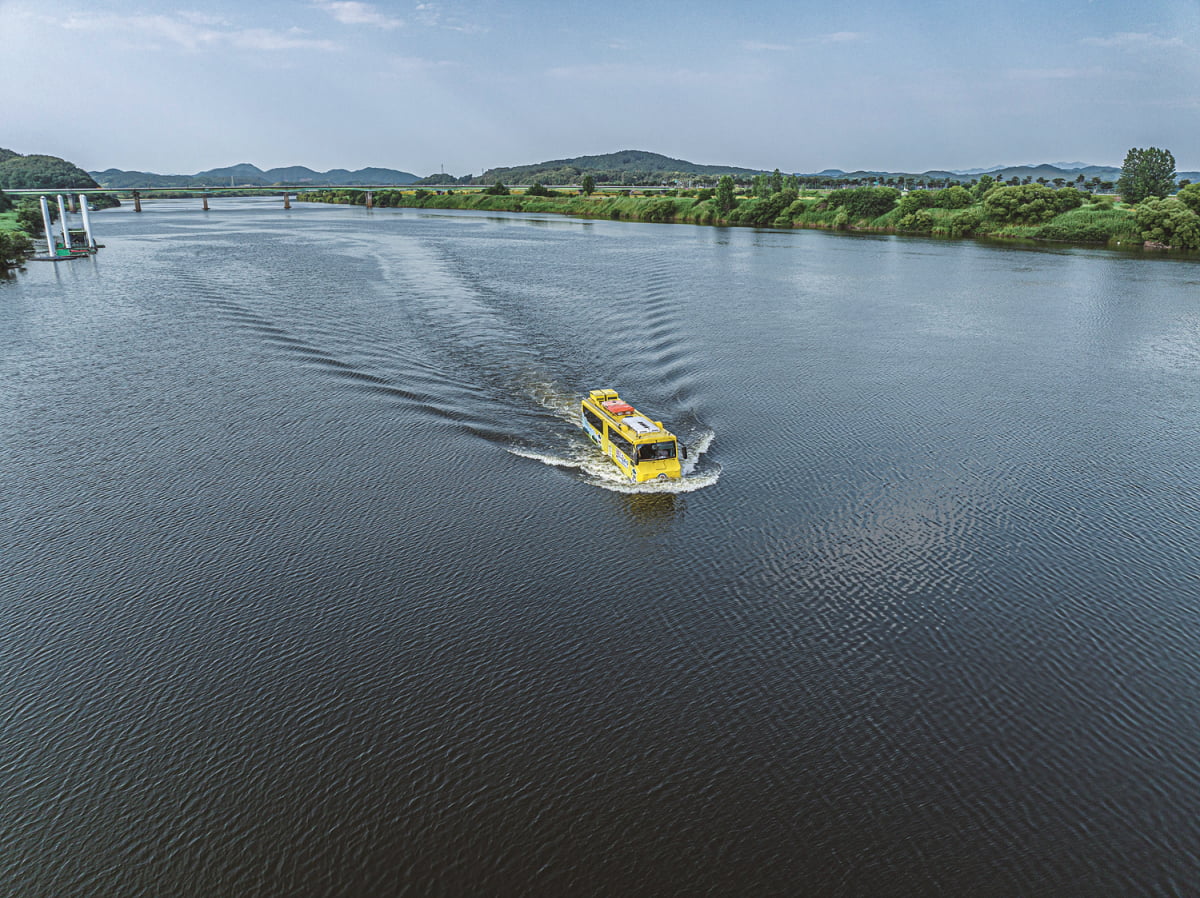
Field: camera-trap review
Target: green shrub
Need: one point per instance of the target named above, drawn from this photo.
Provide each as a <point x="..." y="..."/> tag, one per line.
<point x="920" y="222"/>
<point x="956" y="197"/>
<point x="914" y="201"/>
<point x="1024" y="203"/>
<point x="1067" y="198"/>
<point x="13" y="248"/>
<point x="1168" y="221"/>
<point x="29" y="216"/>
<point x="965" y="222"/>
<point x="1190" y="197"/>
<point x="798" y="207"/>
<point x="763" y="213"/>
<point x="658" y="210"/>
<point x="864" y="202"/>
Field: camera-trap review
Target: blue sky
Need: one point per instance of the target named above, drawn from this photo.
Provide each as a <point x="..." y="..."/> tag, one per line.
<point x="176" y="88"/>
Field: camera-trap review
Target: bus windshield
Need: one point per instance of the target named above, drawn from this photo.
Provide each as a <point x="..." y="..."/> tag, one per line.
<point x="656" y="451"/>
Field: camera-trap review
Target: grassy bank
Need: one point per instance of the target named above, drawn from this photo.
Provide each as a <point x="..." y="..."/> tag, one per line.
<point x="1095" y="221"/>
<point x="14" y="244"/>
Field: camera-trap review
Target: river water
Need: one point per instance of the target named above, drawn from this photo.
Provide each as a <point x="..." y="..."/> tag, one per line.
<point x="311" y="586"/>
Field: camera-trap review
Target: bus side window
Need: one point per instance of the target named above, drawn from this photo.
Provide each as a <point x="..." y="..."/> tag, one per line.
<point x="619" y="442"/>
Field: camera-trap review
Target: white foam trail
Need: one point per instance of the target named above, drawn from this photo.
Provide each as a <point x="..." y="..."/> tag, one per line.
<point x="697" y="449"/>
<point x="597" y="470"/>
<point x="545" y="458"/>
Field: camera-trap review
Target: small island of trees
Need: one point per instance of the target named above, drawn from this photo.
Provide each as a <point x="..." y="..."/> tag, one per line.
<point x="22" y="219"/>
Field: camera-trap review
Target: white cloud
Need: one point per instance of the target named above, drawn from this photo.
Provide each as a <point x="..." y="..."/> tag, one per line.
<point x="266" y="39"/>
<point x="638" y="74"/>
<point x="352" y="12"/>
<point x="428" y="14"/>
<point x="760" y="45"/>
<point x="1133" y="40"/>
<point x="431" y="16"/>
<point x="192" y="33"/>
<point x="835" y="37"/>
<point x="843" y="37"/>
<point x="203" y="18"/>
<point x="1064" y="73"/>
<point x="410" y="64"/>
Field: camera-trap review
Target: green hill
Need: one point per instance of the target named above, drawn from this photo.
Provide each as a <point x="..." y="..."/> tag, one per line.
<point x="36" y="172"/>
<point x="624" y="167"/>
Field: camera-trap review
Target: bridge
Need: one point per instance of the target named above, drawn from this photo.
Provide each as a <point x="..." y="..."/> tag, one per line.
<point x="136" y="193"/>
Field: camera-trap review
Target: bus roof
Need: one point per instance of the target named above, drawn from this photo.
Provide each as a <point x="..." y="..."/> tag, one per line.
<point x="640" y="424"/>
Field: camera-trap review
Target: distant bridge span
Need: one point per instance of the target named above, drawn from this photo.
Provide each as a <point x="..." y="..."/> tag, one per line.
<point x="203" y="192"/>
<point x="268" y="188"/>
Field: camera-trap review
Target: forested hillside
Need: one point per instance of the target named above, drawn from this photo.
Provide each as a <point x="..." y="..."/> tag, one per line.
<point x="36" y="172"/>
<point x="634" y="167"/>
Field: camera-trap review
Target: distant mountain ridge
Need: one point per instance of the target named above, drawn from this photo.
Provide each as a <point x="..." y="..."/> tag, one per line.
<point x="632" y="167"/>
<point x="1065" y="166"/>
<point x="246" y="175"/>
<point x="1000" y="173"/>
<point x="643" y="167"/>
<point x="1003" y="173"/>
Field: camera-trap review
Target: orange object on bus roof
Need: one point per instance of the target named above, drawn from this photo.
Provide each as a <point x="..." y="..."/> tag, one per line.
<point x="618" y="407"/>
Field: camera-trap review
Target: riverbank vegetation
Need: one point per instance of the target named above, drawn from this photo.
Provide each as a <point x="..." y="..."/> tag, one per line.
<point x="15" y="245"/>
<point x="1145" y="215"/>
<point x="21" y="216"/>
<point x="21" y="220"/>
<point x="1032" y="211"/>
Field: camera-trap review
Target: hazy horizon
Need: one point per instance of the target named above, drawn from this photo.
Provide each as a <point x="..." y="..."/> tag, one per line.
<point x="464" y="86"/>
<point x="1065" y="166"/>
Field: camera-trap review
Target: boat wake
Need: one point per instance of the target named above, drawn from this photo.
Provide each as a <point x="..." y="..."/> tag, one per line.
<point x="516" y="355"/>
<point x="583" y="457"/>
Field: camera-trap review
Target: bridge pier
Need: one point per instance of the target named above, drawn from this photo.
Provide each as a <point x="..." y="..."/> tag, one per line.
<point x="137" y="201"/>
<point x="370" y="200"/>
<point x="287" y="202"/>
<point x="204" y="196"/>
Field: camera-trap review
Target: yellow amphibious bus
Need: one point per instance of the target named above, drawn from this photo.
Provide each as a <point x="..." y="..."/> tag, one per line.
<point x="641" y="448"/>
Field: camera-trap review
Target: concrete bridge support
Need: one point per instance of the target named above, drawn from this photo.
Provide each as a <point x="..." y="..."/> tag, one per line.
<point x="287" y="202"/>
<point x="137" y="201"/>
<point x="370" y="200"/>
<point x="204" y="196"/>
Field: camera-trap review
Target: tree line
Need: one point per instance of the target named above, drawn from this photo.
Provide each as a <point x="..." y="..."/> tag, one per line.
<point x="987" y="207"/>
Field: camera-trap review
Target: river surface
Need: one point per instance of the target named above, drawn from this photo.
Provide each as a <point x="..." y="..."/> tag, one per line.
<point x="312" y="587"/>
